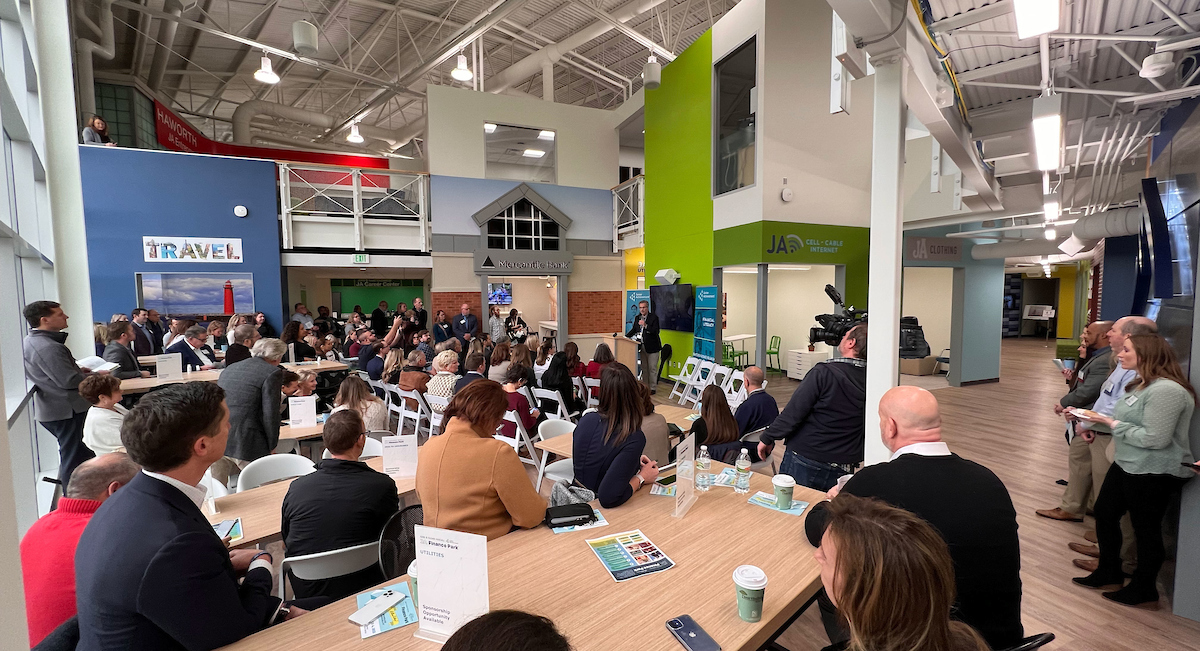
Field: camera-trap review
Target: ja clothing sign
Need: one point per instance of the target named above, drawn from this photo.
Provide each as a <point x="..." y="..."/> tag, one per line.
<point x="192" y="249"/>
<point x="932" y="249"/>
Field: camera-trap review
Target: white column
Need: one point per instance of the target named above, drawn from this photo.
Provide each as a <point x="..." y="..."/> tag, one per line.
<point x="548" y="80"/>
<point x="57" y="95"/>
<point x="887" y="213"/>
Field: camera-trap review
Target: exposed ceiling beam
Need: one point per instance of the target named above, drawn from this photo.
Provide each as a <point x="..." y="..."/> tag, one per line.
<point x="986" y="12"/>
<point x="632" y="33"/>
<point x="262" y="19"/>
<point x="326" y="22"/>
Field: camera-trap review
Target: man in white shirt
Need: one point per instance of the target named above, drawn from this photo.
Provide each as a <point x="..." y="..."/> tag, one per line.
<point x="151" y="573"/>
<point x="194" y="351"/>
<point x="303" y="316"/>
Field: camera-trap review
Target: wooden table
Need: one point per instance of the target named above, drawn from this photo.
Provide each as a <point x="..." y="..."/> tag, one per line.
<point x="562" y="444"/>
<point x="144" y="384"/>
<point x="261" y="509"/>
<point x="152" y="360"/>
<point x="320" y="366"/>
<point x="558" y="576"/>
<point x="289" y="433"/>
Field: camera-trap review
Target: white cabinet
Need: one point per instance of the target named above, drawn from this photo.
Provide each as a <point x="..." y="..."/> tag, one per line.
<point x="799" y="361"/>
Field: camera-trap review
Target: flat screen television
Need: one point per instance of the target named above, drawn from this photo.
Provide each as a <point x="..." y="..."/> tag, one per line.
<point x="499" y="293"/>
<point x="675" y="306"/>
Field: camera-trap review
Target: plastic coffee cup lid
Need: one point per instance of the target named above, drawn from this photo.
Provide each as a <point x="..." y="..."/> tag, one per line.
<point x="412" y="568"/>
<point x="750" y="577"/>
<point x="783" y="481"/>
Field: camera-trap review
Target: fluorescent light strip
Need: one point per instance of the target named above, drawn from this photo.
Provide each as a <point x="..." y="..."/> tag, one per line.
<point x="1047" y="130"/>
<point x="533" y="153"/>
<point x="546" y="135"/>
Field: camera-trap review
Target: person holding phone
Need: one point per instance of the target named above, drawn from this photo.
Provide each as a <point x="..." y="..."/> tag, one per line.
<point x="1150" y="442"/>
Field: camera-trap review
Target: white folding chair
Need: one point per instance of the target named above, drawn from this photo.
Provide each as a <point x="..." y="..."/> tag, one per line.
<point x="391" y="400"/>
<point x="364" y="377"/>
<point x="214" y="487"/>
<point x="733" y="388"/>
<point x="373" y="448"/>
<point x="580" y="387"/>
<point x="418" y="415"/>
<point x="560" y="407"/>
<point x="683" y="378"/>
<point x="589" y="384"/>
<point x="720" y="376"/>
<point x="522" y="439"/>
<point x="435" y="416"/>
<point x="326" y="565"/>
<point x="561" y="469"/>
<point x="273" y="468"/>
<point x="695" y="387"/>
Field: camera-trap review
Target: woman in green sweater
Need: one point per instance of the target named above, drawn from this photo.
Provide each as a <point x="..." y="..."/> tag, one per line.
<point x="1150" y="445"/>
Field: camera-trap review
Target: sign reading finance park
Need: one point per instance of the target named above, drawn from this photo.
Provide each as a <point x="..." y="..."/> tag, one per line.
<point x="191" y="249"/>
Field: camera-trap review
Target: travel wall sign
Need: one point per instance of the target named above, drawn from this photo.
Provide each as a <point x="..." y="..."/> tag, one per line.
<point x="192" y="249"/>
<point x="932" y="249"/>
<point x="500" y="262"/>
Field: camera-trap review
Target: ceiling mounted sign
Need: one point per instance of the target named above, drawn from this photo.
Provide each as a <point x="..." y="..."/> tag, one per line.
<point x="932" y="249"/>
<point x="501" y="262"/>
<point x="192" y="249"/>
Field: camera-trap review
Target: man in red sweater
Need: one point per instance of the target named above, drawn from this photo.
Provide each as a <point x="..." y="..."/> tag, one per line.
<point x="48" y="548"/>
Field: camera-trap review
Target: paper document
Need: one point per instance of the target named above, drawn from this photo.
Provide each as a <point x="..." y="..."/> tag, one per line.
<point x="628" y="555"/>
<point x="402" y="614"/>
<point x="400" y="455"/>
<point x="767" y="500"/>
<point x="454" y="580"/>
<point x="94" y="363"/>
<point x="726" y="478"/>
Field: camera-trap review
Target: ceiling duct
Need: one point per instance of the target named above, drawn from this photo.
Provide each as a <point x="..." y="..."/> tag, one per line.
<point x="1110" y="223"/>
<point x="1024" y="248"/>
<point x="85" y="49"/>
<point x="165" y="41"/>
<point x="247" y="111"/>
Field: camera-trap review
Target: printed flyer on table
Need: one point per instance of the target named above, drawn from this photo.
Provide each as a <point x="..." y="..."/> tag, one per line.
<point x="629" y="554"/>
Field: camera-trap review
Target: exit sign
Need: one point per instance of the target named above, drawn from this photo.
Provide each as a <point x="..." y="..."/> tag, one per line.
<point x="362" y="258"/>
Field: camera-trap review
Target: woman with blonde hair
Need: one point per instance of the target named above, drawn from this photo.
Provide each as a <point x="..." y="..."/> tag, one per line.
<point x="355" y="394"/>
<point x="100" y="337"/>
<point x="393" y="364"/>
<point x="235" y="321"/>
<point x="890" y="575"/>
<point x="117" y="317"/>
<point x="445" y="368"/>
<point x="523" y="358"/>
<point x="216" y="335"/>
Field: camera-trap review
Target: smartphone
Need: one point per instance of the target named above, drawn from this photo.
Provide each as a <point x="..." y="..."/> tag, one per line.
<point x="231" y="529"/>
<point x="667" y="481"/>
<point x="690" y="635"/>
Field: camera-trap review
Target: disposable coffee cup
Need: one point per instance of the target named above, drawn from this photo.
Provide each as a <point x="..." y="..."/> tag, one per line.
<point x="750" y="583"/>
<point x="784" y="485"/>
<point x="412" y="582"/>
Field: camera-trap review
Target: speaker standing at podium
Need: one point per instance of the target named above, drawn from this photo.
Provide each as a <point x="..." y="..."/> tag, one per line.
<point x="645" y="331"/>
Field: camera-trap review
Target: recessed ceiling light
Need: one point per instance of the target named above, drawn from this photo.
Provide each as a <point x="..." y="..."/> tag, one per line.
<point x="533" y="153"/>
<point x="488" y="127"/>
<point x="546" y="135"/>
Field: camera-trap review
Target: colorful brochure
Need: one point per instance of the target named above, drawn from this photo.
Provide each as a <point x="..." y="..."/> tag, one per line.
<point x="629" y="554"/>
<point x="727" y="478"/>
<point x="659" y="489"/>
<point x="402" y="614"/>
<point x="767" y="500"/>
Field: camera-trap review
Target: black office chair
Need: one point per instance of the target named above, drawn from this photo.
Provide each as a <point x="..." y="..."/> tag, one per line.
<point x="1032" y="642"/>
<point x="398" y="542"/>
<point x="63" y="638"/>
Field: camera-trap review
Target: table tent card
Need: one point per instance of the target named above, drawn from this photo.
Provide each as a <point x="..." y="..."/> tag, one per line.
<point x="400" y="455"/>
<point x="303" y="411"/>
<point x="685" y="473"/>
<point x="169" y="366"/>
<point x="454" y="581"/>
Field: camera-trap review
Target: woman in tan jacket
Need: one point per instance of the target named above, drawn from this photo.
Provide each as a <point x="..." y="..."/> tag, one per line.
<point x="468" y="481"/>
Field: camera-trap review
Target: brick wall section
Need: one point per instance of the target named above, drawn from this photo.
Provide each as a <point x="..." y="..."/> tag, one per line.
<point x="452" y="302"/>
<point x="595" y="312"/>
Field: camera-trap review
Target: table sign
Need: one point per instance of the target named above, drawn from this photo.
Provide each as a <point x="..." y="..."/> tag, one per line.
<point x="302" y="411"/>
<point x="400" y="455"/>
<point x="685" y="476"/>
<point x="454" y="581"/>
<point x="169" y="366"/>
<point x="292" y="353"/>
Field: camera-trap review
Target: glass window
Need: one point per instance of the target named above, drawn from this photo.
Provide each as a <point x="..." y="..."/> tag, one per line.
<point x="734" y="129"/>
<point x="520" y="153"/>
<point x="523" y="227"/>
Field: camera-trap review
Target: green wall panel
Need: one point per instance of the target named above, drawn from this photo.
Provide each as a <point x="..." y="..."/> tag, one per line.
<point x="369" y="297"/>
<point x="790" y="243"/>
<point x="679" y="210"/>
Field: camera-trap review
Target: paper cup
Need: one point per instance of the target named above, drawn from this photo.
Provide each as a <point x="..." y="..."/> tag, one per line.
<point x="784" y="485"/>
<point x="412" y="582"/>
<point x="750" y="583"/>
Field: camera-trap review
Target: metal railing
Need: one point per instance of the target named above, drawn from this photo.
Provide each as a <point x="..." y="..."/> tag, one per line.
<point x="339" y="207"/>
<point x="628" y="213"/>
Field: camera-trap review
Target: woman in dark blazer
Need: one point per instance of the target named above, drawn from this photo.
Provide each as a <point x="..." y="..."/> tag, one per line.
<point x="608" y="443"/>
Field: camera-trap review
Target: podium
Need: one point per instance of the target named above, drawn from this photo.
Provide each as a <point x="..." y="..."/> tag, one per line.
<point x="625" y="350"/>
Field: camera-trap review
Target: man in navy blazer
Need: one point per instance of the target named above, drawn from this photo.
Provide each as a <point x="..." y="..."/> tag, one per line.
<point x="151" y="573"/>
<point x="193" y="350"/>
<point x="143" y="336"/>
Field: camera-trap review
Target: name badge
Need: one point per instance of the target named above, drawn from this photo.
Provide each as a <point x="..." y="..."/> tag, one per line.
<point x="1130" y="399"/>
<point x="1108" y="387"/>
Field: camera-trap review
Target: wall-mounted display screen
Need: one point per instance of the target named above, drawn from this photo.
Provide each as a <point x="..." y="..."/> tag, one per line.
<point x="499" y="293"/>
<point x="675" y="306"/>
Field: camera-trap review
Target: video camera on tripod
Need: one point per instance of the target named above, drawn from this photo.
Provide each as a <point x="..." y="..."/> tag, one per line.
<point x="833" y="327"/>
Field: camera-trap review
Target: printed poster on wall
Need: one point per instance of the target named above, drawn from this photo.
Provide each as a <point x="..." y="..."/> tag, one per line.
<point x="191" y="249"/>
<point x="704" y="342"/>
<point x="632" y="298"/>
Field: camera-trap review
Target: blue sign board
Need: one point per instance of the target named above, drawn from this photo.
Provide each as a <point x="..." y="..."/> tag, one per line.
<point x="632" y="298"/>
<point x="704" y="342"/>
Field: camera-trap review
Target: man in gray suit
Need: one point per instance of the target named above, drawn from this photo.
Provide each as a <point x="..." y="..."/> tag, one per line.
<point x="252" y="393"/>
<point x="120" y="333"/>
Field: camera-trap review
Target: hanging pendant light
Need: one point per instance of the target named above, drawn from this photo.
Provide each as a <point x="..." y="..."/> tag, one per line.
<point x="462" y="72"/>
<point x="652" y="73"/>
<point x="354" y="136"/>
<point x="264" y="73"/>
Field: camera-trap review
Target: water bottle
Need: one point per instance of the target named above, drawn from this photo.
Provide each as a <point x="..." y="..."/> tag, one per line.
<point x="742" y="484"/>
<point x="703" y="469"/>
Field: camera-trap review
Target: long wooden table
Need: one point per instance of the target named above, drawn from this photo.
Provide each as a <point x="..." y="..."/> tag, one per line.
<point x="562" y="445"/>
<point x="320" y="366"/>
<point x="261" y="509"/>
<point x="144" y="384"/>
<point x="559" y="577"/>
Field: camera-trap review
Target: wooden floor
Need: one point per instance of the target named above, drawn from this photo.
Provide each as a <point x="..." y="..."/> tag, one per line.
<point x="1010" y="427"/>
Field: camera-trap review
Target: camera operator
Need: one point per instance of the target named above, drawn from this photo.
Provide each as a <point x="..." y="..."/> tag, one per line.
<point x="824" y="422"/>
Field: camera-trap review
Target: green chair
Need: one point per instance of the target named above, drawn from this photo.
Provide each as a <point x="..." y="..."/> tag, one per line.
<point x="773" y="349"/>
<point x="732" y="357"/>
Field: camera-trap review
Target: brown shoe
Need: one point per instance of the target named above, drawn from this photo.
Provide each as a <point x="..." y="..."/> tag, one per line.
<point x="1086" y="550"/>
<point x="1086" y="564"/>
<point x="1058" y="514"/>
<point x="1090" y="536"/>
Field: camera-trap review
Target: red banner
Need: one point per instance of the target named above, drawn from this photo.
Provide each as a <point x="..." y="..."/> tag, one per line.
<point x="177" y="134"/>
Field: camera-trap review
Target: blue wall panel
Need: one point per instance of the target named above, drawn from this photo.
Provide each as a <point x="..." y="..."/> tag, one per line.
<point x="1120" y="276"/>
<point x="453" y="200"/>
<point x="128" y="193"/>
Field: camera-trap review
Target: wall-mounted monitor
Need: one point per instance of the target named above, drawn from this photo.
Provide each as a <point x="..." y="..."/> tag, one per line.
<point x="675" y="306"/>
<point x="499" y="293"/>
